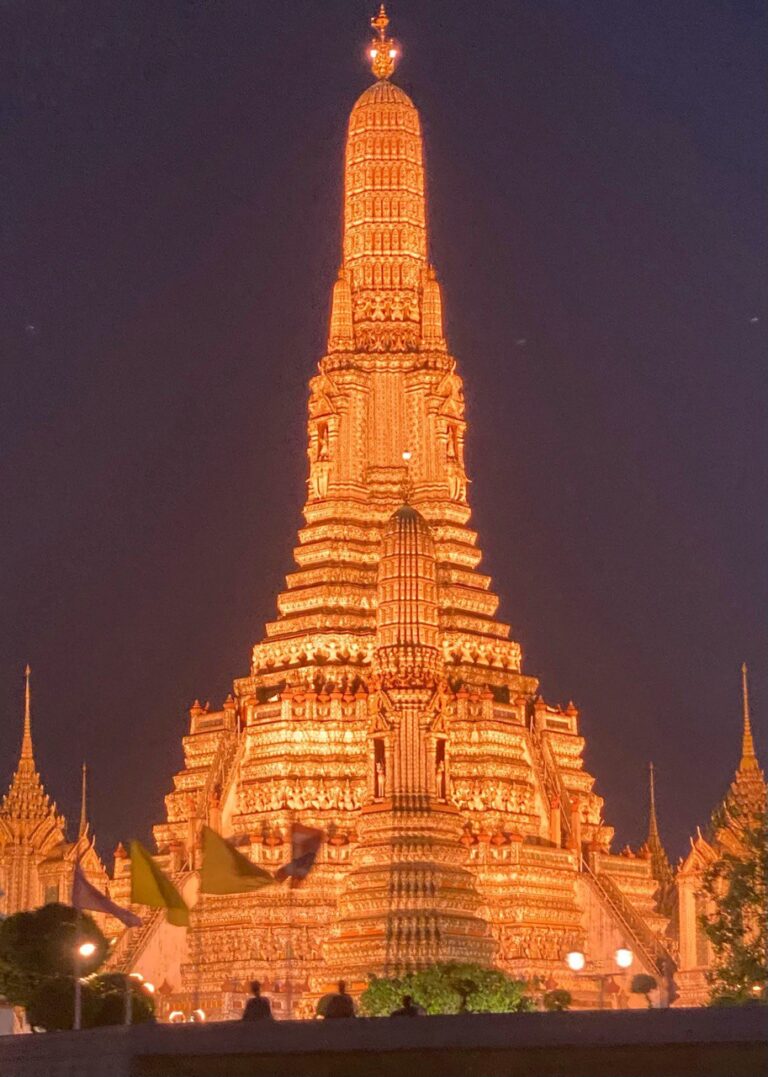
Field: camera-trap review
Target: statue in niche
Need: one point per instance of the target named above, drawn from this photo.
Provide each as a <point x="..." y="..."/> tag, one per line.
<point x="457" y="487"/>
<point x="322" y="441"/>
<point x="440" y="780"/>
<point x="379" y="768"/>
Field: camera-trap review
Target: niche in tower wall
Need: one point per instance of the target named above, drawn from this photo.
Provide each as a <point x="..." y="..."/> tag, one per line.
<point x="379" y="768"/>
<point x="441" y="777"/>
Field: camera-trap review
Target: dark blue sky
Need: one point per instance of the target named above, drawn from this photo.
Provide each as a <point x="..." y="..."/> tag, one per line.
<point x="170" y="233"/>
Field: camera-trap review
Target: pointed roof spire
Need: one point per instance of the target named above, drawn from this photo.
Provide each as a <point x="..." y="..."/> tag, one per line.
<point x="653" y="823"/>
<point x="27" y="752"/>
<point x="83" y="803"/>
<point x="26" y="798"/>
<point x="660" y="866"/>
<point x="748" y="757"/>
<point x="383" y="51"/>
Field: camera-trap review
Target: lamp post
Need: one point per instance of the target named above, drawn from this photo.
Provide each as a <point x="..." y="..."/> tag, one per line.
<point x="576" y="961"/>
<point x="84" y="950"/>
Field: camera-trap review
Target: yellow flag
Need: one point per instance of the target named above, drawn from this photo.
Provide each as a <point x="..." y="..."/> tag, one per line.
<point x="150" y="886"/>
<point x="225" y="870"/>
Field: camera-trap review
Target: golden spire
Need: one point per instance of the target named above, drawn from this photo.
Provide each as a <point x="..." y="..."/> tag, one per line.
<point x="660" y="866"/>
<point x="383" y="51"/>
<point x="26" y="798"/>
<point x="748" y="757"/>
<point x="653" y="824"/>
<point x="26" y="740"/>
<point x="83" y="803"/>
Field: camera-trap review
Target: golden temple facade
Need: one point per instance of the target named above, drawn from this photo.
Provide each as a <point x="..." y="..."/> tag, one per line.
<point x="387" y="704"/>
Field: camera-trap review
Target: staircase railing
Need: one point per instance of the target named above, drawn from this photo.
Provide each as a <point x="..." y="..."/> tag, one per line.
<point x="550" y="778"/>
<point x="136" y="939"/>
<point x="220" y="769"/>
<point x="221" y="772"/>
<point x="655" y="956"/>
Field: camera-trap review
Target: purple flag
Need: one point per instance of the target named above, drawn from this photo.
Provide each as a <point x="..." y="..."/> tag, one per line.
<point x="86" y="896"/>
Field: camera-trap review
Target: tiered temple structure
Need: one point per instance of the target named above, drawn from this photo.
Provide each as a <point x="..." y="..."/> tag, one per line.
<point x="387" y="704"/>
<point x="36" y="858"/>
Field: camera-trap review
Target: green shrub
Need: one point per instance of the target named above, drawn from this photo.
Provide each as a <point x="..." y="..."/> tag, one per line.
<point x="445" y="989"/>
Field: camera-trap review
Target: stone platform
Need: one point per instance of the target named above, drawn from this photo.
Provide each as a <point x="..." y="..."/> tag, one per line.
<point x="668" y="1043"/>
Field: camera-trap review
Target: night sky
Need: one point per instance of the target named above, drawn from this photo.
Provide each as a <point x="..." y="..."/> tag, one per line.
<point x="170" y="211"/>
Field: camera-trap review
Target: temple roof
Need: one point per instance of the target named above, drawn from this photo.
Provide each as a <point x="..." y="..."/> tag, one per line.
<point x="26" y="799"/>
<point x="745" y="801"/>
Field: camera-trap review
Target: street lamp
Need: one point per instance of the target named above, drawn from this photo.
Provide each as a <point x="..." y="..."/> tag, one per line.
<point x="624" y="957"/>
<point x="575" y="960"/>
<point x="84" y="950"/>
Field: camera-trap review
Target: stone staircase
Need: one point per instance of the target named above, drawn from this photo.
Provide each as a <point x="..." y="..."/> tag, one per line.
<point x="648" y="947"/>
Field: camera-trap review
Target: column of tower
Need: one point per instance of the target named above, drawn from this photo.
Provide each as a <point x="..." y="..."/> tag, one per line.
<point x="408" y="900"/>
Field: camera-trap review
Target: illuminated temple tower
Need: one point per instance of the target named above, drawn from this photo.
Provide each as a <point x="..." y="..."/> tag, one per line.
<point x="37" y="860"/>
<point x="387" y="704"/>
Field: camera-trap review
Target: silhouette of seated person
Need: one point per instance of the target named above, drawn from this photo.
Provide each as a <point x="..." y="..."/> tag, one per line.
<point x="257" y="1008"/>
<point x="409" y="1008"/>
<point x="340" y="1004"/>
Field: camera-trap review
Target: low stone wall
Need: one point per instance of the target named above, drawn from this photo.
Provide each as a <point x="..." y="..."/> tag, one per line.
<point x="667" y="1043"/>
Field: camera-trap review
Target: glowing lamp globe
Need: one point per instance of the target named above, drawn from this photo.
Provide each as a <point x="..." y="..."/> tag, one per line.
<point x="87" y="949"/>
<point x="624" y="957"/>
<point x="575" y="960"/>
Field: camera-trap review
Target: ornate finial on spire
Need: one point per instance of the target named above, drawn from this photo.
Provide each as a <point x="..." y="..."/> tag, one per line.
<point x="83" y="803"/>
<point x="383" y="51"/>
<point x="653" y="823"/>
<point x="748" y="757"/>
<point x="660" y="867"/>
<point x="26" y="740"/>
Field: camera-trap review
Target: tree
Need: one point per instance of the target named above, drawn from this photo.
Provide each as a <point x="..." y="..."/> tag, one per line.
<point x="41" y="945"/>
<point x="556" y="1000"/>
<point x="737" y="887"/>
<point x="51" y="1006"/>
<point x="643" y="984"/>
<point x="447" y="988"/>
